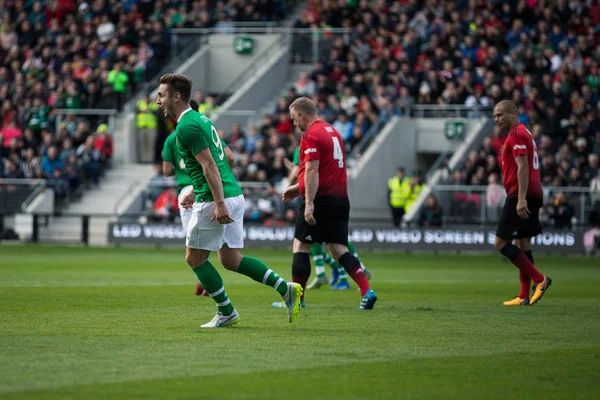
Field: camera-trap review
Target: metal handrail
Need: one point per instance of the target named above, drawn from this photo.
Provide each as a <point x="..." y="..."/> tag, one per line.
<point x="419" y="110"/>
<point x="243" y="24"/>
<point x="260" y="30"/>
<point x="447" y="107"/>
<point x="124" y="195"/>
<point x="438" y="162"/>
<point x="111" y="113"/>
<point x="366" y="140"/>
<point x="86" y="111"/>
<point x="38" y="189"/>
<point x="24" y="181"/>
<point x="482" y="188"/>
<point x="239" y="113"/>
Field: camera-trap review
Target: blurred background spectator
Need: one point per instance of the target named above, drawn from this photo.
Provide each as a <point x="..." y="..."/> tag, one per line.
<point x="77" y="54"/>
<point x="431" y="214"/>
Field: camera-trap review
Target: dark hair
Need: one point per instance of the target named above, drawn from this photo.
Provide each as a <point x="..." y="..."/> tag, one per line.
<point x="178" y="83"/>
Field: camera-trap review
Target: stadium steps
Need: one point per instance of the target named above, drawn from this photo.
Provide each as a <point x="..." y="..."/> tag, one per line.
<point x="116" y="188"/>
<point x="476" y="131"/>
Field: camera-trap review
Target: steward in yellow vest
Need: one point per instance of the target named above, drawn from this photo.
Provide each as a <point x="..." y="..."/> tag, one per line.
<point x="146" y="117"/>
<point x="413" y="190"/>
<point x="398" y="186"/>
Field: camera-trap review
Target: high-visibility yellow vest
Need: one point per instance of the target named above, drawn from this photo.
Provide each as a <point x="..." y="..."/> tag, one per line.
<point x="207" y="109"/>
<point x="413" y="195"/>
<point x="397" y="189"/>
<point x="145" y="117"/>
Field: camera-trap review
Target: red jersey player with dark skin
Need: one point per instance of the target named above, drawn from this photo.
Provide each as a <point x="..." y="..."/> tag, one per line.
<point x="323" y="184"/>
<point x="519" y="220"/>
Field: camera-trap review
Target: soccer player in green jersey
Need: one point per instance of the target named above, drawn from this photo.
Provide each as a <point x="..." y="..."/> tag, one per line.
<point x="173" y="164"/>
<point x="217" y="206"/>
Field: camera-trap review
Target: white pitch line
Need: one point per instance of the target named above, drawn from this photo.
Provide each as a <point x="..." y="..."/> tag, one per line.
<point x="191" y="282"/>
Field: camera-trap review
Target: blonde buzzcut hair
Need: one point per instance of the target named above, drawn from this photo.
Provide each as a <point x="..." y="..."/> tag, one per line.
<point x="305" y="106"/>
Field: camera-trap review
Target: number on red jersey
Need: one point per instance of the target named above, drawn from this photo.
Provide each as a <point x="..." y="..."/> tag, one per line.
<point x="536" y="158"/>
<point x="337" y="152"/>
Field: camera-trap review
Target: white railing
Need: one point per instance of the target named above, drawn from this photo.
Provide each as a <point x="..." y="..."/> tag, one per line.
<point x="581" y="198"/>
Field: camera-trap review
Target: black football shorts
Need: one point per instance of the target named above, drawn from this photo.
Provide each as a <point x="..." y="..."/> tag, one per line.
<point x="511" y="226"/>
<point x="332" y="214"/>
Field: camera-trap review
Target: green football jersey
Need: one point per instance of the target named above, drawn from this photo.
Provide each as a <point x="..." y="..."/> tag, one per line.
<point x="172" y="155"/>
<point x="297" y="156"/>
<point x="194" y="133"/>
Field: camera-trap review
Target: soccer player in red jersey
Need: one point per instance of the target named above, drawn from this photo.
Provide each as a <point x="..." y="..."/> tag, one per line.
<point x="323" y="185"/>
<point x="519" y="220"/>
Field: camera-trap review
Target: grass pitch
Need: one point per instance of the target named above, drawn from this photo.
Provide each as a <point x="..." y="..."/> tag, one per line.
<point x="124" y="323"/>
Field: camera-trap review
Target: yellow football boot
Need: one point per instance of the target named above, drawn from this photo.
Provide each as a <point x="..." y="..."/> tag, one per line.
<point x="517" y="301"/>
<point x="540" y="289"/>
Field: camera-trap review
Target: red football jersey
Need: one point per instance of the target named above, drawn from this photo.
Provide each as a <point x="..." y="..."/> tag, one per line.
<point x="322" y="142"/>
<point x="520" y="143"/>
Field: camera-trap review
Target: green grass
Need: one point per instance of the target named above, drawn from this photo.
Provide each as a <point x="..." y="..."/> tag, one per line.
<point x="124" y="323"/>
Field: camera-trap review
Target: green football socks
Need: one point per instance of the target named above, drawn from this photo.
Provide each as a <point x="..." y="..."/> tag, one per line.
<point x="317" y="253"/>
<point x="258" y="271"/>
<point x="213" y="284"/>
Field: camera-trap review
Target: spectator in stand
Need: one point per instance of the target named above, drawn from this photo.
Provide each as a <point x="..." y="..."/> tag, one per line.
<point x="89" y="159"/>
<point x="30" y="163"/>
<point x="284" y="125"/>
<point x="595" y="190"/>
<point x="357" y="135"/>
<point x="166" y="206"/>
<point x="52" y="163"/>
<point x="305" y="86"/>
<point x="119" y="80"/>
<point x="103" y="143"/>
<point x="431" y="214"/>
<point x="199" y="97"/>
<point x="10" y="131"/>
<point x="11" y="170"/>
<point x="237" y="134"/>
<point x="73" y="174"/>
<point x="561" y="212"/>
<point x="343" y="126"/>
<point x="252" y="139"/>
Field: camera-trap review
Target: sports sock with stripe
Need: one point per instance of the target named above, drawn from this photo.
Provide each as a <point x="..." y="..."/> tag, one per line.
<point x="353" y="268"/>
<point x="258" y="270"/>
<point x="213" y="284"/>
<point x="317" y="253"/>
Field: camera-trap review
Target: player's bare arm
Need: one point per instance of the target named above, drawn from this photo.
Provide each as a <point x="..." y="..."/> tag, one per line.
<point x="523" y="177"/>
<point x="167" y="168"/>
<point x="311" y="183"/>
<point x="293" y="174"/>
<point x="230" y="157"/>
<point x="213" y="178"/>
<point x="291" y="192"/>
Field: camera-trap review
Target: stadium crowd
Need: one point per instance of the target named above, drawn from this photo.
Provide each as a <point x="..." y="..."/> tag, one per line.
<point x="452" y="52"/>
<point x="75" y="54"/>
<point x="472" y="53"/>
